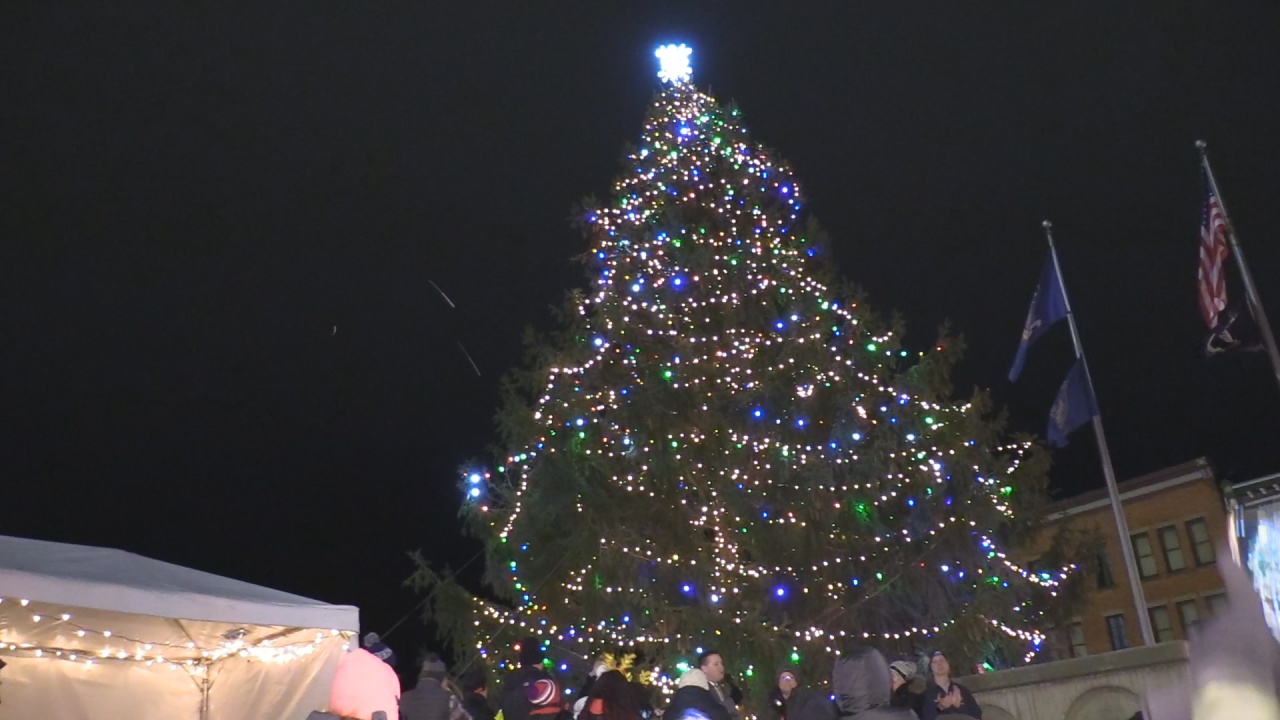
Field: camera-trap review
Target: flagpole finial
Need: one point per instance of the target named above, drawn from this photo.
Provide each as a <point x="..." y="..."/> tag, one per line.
<point x="1046" y="225"/>
<point x="1201" y="145"/>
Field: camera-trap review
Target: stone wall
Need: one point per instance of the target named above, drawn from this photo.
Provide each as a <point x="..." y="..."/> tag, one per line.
<point x="1099" y="687"/>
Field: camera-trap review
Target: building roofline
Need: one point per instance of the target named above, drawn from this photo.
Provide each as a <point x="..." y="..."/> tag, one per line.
<point x="1255" y="491"/>
<point x="1173" y="476"/>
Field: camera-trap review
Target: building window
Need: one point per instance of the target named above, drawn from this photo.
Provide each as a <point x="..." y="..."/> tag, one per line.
<point x="1217" y="604"/>
<point x="1106" y="578"/>
<point x="1172" y="549"/>
<point x="1144" y="555"/>
<point x="1115" y="631"/>
<point x="1161" y="623"/>
<point x="1190" y="615"/>
<point x="1199" y="534"/>
<point x="1075" y="632"/>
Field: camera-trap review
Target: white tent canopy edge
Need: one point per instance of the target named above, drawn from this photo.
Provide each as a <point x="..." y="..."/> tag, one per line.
<point x="61" y="602"/>
<point x="114" y="580"/>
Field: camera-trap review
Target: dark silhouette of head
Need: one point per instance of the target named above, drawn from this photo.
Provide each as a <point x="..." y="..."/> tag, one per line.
<point x="530" y="652"/>
<point x="613" y="697"/>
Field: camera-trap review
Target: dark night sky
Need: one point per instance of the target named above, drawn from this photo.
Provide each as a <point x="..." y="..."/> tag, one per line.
<point x="193" y="195"/>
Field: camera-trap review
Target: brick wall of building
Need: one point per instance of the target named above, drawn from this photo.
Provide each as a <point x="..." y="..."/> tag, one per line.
<point x="1176" y="510"/>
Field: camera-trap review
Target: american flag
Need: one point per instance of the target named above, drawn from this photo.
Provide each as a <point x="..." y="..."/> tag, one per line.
<point x="1213" y="255"/>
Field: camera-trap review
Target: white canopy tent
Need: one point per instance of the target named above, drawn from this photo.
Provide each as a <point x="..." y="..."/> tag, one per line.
<point x="95" y="634"/>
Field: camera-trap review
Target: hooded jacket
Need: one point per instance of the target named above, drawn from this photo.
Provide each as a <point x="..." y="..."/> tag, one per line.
<point x="861" y="682"/>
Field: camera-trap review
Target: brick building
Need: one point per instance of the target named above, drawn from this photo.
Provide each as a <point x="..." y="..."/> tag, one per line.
<point x="1176" y="516"/>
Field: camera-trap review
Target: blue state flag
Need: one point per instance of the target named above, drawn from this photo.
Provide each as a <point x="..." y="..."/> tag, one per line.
<point x="1048" y="306"/>
<point x="1073" y="407"/>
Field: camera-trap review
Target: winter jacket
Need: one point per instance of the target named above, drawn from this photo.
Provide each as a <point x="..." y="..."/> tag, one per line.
<point x="932" y="693"/>
<point x="431" y="701"/>
<point x="696" y="700"/>
<point x="861" y="683"/>
<point x="724" y="693"/>
<point x="515" y="704"/>
<point x="806" y="704"/>
<point x="477" y="706"/>
<point x="909" y="696"/>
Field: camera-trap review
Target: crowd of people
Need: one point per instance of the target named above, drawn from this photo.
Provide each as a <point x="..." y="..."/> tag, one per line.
<point x="864" y="686"/>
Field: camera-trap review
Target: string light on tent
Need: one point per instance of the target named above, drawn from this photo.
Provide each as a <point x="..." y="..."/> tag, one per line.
<point x="116" y="647"/>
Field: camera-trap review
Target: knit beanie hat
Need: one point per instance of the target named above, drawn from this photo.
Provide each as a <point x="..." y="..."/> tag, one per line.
<point x="904" y="669"/>
<point x="379" y="649"/>
<point x="542" y="691"/>
<point x="433" y="667"/>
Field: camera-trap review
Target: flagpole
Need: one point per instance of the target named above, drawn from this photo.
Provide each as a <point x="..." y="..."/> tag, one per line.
<point x="1122" y="524"/>
<point x="1250" y="290"/>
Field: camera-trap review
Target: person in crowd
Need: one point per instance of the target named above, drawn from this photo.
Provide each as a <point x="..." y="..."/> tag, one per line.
<point x="908" y="686"/>
<point x="596" y="671"/>
<point x="780" y="693"/>
<point x="432" y="698"/>
<point x="693" y="700"/>
<point x="363" y="685"/>
<point x="861" y="683"/>
<point x="545" y="700"/>
<point x="515" y="703"/>
<point x="790" y="701"/>
<point x="475" y="693"/>
<point x="612" y="698"/>
<point x="726" y="693"/>
<point x="379" y="649"/>
<point x="943" y="696"/>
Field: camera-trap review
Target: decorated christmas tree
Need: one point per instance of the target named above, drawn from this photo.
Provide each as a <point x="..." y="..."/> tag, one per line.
<point x="723" y="448"/>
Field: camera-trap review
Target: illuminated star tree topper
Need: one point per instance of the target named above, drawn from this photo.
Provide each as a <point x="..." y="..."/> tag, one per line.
<point x="673" y="63"/>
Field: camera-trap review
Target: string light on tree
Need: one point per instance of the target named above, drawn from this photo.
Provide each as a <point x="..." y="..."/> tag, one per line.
<point x="723" y="448"/>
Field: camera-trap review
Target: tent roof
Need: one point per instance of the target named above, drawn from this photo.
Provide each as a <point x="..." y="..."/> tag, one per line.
<point x="114" y="580"/>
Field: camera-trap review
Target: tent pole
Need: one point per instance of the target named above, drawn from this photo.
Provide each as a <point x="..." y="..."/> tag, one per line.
<point x="204" y="697"/>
